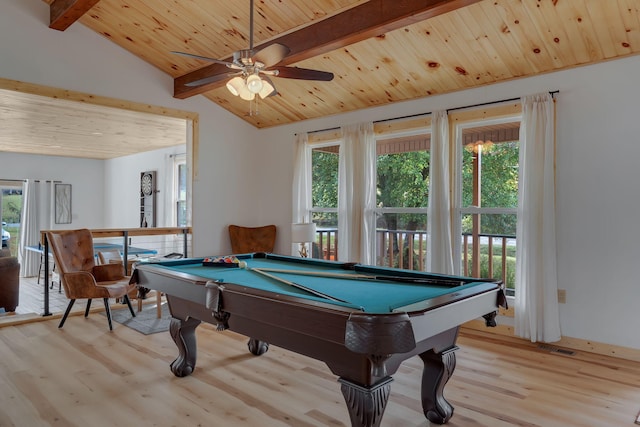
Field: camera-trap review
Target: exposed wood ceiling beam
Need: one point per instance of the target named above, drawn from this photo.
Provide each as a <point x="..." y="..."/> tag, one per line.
<point x="370" y="19"/>
<point x="63" y="13"/>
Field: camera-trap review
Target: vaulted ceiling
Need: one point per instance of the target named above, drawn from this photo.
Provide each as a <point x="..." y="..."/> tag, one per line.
<point x="380" y="51"/>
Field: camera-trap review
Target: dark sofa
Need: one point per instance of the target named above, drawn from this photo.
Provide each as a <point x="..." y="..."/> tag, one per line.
<point x="9" y="280"/>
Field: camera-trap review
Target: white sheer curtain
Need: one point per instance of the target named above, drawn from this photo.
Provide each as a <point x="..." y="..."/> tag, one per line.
<point x="356" y="194"/>
<point x="29" y="229"/>
<point x="301" y="183"/>
<point x="536" y="301"/>
<point x="439" y="251"/>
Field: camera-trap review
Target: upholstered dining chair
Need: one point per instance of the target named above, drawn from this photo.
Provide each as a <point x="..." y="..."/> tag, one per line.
<point x="252" y="239"/>
<point x="113" y="256"/>
<point x="81" y="277"/>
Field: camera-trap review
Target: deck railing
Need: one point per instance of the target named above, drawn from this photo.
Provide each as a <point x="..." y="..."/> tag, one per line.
<point x="408" y="249"/>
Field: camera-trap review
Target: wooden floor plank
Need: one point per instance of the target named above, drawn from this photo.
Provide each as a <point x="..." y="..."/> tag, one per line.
<point x="85" y="375"/>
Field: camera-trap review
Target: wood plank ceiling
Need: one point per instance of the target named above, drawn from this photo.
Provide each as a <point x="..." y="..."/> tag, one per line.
<point x="53" y="126"/>
<point x="476" y="43"/>
<point x="442" y="46"/>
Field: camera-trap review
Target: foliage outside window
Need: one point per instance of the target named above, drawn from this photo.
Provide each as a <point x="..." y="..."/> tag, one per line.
<point x="402" y="197"/>
<point x="10" y="212"/>
<point x="324" y="199"/>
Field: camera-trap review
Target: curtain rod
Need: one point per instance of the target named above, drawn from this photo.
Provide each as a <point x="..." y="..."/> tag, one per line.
<point x="24" y="180"/>
<point x="552" y="93"/>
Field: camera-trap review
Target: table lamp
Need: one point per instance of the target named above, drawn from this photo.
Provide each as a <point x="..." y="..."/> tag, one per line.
<point x="302" y="233"/>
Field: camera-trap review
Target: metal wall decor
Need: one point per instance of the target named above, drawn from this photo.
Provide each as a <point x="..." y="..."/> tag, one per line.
<point x="63" y="203"/>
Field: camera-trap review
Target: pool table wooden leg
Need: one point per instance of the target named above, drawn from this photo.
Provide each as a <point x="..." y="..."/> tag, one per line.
<point x="257" y="347"/>
<point x="438" y="368"/>
<point x="183" y="333"/>
<point x="366" y="405"/>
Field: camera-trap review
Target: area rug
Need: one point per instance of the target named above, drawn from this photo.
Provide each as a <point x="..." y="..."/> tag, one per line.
<point x="146" y="321"/>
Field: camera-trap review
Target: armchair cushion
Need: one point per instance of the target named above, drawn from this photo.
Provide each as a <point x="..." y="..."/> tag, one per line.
<point x="108" y="272"/>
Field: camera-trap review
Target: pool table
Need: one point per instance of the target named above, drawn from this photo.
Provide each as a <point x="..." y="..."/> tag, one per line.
<point x="361" y="321"/>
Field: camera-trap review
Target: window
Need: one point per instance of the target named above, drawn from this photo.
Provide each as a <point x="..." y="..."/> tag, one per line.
<point x="180" y="192"/>
<point x="402" y="197"/>
<point x="10" y="213"/>
<point x="489" y="171"/>
<point x="324" y="199"/>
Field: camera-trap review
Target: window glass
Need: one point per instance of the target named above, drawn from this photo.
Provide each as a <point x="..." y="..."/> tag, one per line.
<point x="402" y="196"/>
<point x="181" y="194"/>
<point x="490" y="170"/>
<point x="324" y="196"/>
<point x="324" y="164"/>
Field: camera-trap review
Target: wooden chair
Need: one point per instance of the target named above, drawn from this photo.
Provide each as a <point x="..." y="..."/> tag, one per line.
<point x="252" y="239"/>
<point x="81" y="277"/>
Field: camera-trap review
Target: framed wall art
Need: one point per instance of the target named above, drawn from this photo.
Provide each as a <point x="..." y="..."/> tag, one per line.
<point x="63" y="203"/>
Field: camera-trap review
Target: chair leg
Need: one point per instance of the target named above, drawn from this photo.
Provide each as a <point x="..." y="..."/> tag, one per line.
<point x="40" y="267"/>
<point x="86" y="311"/>
<point x="108" y="311"/>
<point x="128" y="301"/>
<point x="159" y="304"/>
<point x="66" y="313"/>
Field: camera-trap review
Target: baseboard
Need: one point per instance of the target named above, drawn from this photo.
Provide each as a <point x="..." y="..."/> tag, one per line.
<point x="507" y="332"/>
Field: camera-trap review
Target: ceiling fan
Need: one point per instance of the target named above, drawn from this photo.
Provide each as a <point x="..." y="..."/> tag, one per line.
<point x="253" y="68"/>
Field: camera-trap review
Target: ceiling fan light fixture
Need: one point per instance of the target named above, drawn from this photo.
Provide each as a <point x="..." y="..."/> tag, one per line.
<point x="268" y="89"/>
<point x="235" y="85"/>
<point x="246" y="94"/>
<point x="254" y="83"/>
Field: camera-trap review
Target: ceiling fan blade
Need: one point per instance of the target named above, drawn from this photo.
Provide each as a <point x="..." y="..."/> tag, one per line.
<point x="302" y="73"/>
<point x="271" y="54"/>
<point x="210" y="79"/>
<point x="204" y="58"/>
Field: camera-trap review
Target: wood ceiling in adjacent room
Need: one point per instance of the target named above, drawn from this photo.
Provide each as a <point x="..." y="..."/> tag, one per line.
<point x="451" y="45"/>
<point x="51" y="126"/>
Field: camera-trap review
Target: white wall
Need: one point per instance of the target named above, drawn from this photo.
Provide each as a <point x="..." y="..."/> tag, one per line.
<point x="598" y="150"/>
<point x="87" y="198"/>
<point x="244" y="175"/>
<point x="122" y="182"/>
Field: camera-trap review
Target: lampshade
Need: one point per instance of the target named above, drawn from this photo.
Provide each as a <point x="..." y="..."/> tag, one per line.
<point x="268" y="89"/>
<point x="303" y="232"/>
<point x="246" y="94"/>
<point x="235" y="85"/>
<point x="254" y="83"/>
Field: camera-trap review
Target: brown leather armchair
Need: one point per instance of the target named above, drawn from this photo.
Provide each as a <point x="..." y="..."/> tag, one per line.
<point x="81" y="277"/>
<point x="9" y="281"/>
<point x="252" y="239"/>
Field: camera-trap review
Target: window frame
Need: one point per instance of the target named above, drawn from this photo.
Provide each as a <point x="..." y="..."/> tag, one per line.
<point x="458" y="212"/>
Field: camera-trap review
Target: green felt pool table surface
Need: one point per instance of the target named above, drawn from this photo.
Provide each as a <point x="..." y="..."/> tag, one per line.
<point x="371" y="296"/>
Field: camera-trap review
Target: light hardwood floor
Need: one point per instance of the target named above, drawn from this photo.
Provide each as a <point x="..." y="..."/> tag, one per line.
<point x="85" y="375"/>
<point x="32" y="297"/>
